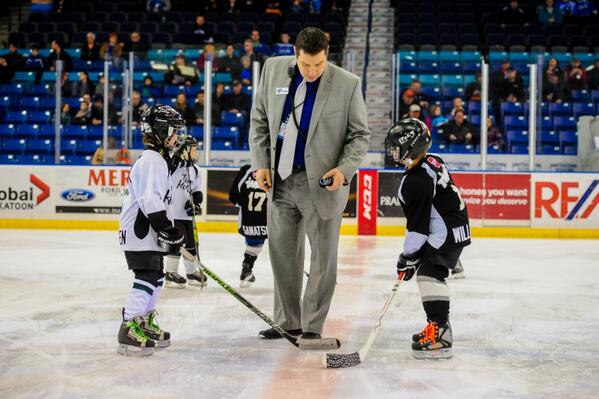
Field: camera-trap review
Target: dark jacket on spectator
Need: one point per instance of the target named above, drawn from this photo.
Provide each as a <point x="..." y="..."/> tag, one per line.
<point x="459" y="131"/>
<point x="90" y="54"/>
<point x="239" y="101"/>
<point x="63" y="56"/>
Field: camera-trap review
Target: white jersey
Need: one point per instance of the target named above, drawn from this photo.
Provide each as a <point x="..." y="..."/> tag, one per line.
<point x="148" y="192"/>
<point x="180" y="189"/>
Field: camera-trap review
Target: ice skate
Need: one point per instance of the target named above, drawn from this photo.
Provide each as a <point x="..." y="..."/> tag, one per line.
<point x="153" y="331"/>
<point x="271" y="333"/>
<point x="436" y="343"/>
<point x="197" y="278"/>
<point x="132" y="339"/>
<point x="247" y="277"/>
<point x="174" y="280"/>
<point x="458" y="271"/>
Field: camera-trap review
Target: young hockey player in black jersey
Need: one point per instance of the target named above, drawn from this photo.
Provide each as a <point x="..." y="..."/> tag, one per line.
<point x="251" y="201"/>
<point x="146" y="233"/>
<point x="437" y="230"/>
<point x="184" y="175"/>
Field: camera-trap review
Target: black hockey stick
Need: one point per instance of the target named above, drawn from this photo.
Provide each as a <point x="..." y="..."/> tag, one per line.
<point x="339" y="360"/>
<point x="193" y="221"/>
<point x="322" y="344"/>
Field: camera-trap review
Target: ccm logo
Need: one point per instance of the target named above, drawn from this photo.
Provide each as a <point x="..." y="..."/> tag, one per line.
<point x="367" y="197"/>
<point x="555" y="199"/>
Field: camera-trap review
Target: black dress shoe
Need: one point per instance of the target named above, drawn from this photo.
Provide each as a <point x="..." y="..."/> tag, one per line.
<point x="310" y="335"/>
<point x="271" y="333"/>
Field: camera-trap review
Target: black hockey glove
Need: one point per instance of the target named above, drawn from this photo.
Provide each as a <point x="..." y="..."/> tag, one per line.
<point x="197" y="197"/>
<point x="407" y="266"/>
<point x="170" y="238"/>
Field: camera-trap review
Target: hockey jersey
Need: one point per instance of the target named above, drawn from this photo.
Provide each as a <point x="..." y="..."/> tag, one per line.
<point x="148" y="192"/>
<point x="251" y="201"/>
<point x="437" y="218"/>
<point x="180" y="188"/>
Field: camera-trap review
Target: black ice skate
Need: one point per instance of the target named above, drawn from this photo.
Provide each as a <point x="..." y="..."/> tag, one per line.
<point x="153" y="331"/>
<point x="271" y="333"/>
<point x="436" y="343"/>
<point x="197" y="278"/>
<point x="174" y="280"/>
<point x="458" y="271"/>
<point x="247" y="277"/>
<point x="132" y="339"/>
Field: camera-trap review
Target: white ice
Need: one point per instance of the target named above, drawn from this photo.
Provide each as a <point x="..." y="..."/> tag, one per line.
<point x="525" y="323"/>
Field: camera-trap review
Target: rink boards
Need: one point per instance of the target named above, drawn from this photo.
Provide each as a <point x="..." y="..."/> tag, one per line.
<point x="500" y="204"/>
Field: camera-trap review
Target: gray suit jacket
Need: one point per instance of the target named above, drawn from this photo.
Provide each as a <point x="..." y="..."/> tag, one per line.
<point x="338" y="136"/>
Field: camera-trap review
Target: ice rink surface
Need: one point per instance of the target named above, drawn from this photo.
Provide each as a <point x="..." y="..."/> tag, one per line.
<point x="525" y="323"/>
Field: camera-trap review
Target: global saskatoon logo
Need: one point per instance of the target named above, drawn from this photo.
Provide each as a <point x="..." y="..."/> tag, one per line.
<point x="77" y="195"/>
<point x="24" y="199"/>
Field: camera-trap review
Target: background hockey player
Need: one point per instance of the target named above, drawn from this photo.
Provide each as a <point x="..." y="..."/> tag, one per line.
<point x="146" y="233"/>
<point x="185" y="173"/>
<point x="251" y="201"/>
<point x="437" y="230"/>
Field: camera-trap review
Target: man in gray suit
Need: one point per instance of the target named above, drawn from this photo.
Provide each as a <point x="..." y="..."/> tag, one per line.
<point x="308" y="122"/>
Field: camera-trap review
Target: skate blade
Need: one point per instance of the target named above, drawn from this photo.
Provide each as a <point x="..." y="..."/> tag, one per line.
<point x="437" y="354"/>
<point x="169" y="284"/>
<point x="197" y="283"/>
<point x="162" y="344"/>
<point x="458" y="276"/>
<point x="248" y="281"/>
<point x="134" y="351"/>
<point x="319" y="344"/>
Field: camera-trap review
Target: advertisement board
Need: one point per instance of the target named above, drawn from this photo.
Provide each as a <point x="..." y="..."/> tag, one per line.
<point x="367" y="203"/>
<point x="25" y="192"/>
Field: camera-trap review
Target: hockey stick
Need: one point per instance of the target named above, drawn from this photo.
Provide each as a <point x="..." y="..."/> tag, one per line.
<point x="193" y="221"/>
<point x="322" y="344"/>
<point x="339" y="360"/>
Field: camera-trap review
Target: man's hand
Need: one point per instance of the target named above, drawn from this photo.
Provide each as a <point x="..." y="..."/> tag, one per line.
<point x="264" y="180"/>
<point x="338" y="179"/>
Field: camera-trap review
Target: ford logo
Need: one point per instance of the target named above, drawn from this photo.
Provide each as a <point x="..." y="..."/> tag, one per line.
<point x="77" y="195"/>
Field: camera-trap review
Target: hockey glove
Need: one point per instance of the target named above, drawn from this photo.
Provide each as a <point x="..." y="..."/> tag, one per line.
<point x="170" y="238"/>
<point x="407" y="266"/>
<point x="197" y="201"/>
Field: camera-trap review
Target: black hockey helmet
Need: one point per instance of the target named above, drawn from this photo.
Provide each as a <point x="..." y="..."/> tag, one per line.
<point x="159" y="122"/>
<point x="406" y="140"/>
<point x="182" y="151"/>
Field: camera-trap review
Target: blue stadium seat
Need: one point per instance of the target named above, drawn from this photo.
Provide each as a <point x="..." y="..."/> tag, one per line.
<point x="197" y="132"/>
<point x="405" y="79"/>
<point x="428" y="67"/>
<point x="583" y="109"/>
<point x="28" y="131"/>
<point x="409" y="67"/>
<point x="509" y="108"/>
<point x="232" y="119"/>
<point x="47" y="103"/>
<point x="549" y="137"/>
<point x="495" y="149"/>
<point x="519" y="149"/>
<point x="449" y="93"/>
<point x="34" y="159"/>
<point x="11" y="89"/>
<point x="40" y="146"/>
<point x="452" y="80"/>
<point x="564" y="122"/>
<point x="9" y="159"/>
<point x="226" y="133"/>
<point x="474" y="107"/>
<point x="519" y="56"/>
<point x="223" y="77"/>
<point x="453" y="68"/>
<point x="425" y="55"/>
<point x="14" y="146"/>
<point x="40" y="90"/>
<point x="40" y="117"/>
<point x="46" y="131"/>
<point x="547" y="123"/>
<point x="30" y="103"/>
<point x="220" y="145"/>
<point x="49" y="77"/>
<point x="432" y="93"/>
<point x="430" y="80"/>
<point x="7" y="102"/>
<point x="24" y="77"/>
<point x="550" y="150"/>
<point x="515" y="137"/>
<point x="450" y="56"/>
<point x="570" y="150"/>
<point x="595" y="96"/>
<point x="74" y="131"/>
<point x="89" y="146"/>
<point x="8" y="130"/>
<point x="69" y="146"/>
<point x="470" y="56"/>
<point x="560" y="109"/>
<point x="567" y="137"/>
<point x="579" y="96"/>
<point x="515" y="122"/>
<point x="16" y="117"/>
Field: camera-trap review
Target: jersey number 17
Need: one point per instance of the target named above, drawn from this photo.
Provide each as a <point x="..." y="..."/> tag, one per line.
<point x="259" y="197"/>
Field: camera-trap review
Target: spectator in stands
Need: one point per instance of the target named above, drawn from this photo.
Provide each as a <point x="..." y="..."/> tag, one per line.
<point x="13" y="58"/>
<point x="158" y="6"/>
<point x="138" y="107"/>
<point x="457" y="104"/>
<point x="553" y="67"/>
<point x="83" y="115"/>
<point x="473" y="90"/>
<point x="180" y="73"/>
<point x="6" y="72"/>
<point x="111" y="50"/>
<point x="219" y="97"/>
<point x="66" y="86"/>
<point x="459" y="130"/>
<point x="230" y="6"/>
<point x="135" y="45"/>
<point x="198" y="110"/>
<point x="248" y="48"/>
<point x="259" y="46"/>
<point x="97" y="112"/>
<point x="208" y="55"/>
<point x="513" y="87"/>
<point x="237" y="101"/>
<point x="274" y="7"/>
<point x="35" y="62"/>
<point x="185" y="110"/>
<point x="576" y="75"/>
<point x="554" y="88"/>
<point x="512" y="13"/>
<point x="419" y="97"/>
<point x="284" y="46"/>
<point x="548" y="14"/>
<point x="58" y="54"/>
<point x="593" y="76"/>
<point x="201" y="32"/>
<point x="231" y="63"/>
<point x="496" y="87"/>
<point x="407" y="99"/>
<point x="83" y="86"/>
<point x="494" y="135"/>
<point x="415" y="112"/>
<point x="299" y="6"/>
<point x="66" y="116"/>
<point x="436" y="118"/>
<point x="148" y="90"/>
<point x="99" y="92"/>
<point x="246" y="73"/>
<point x="90" y="51"/>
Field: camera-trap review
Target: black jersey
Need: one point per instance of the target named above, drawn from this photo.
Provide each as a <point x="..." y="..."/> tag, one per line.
<point x="251" y="201"/>
<point x="437" y="218"/>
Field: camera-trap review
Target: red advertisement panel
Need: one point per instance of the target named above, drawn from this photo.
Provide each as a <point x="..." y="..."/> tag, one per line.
<point x="472" y="192"/>
<point x="367" y="203"/>
<point x="507" y="196"/>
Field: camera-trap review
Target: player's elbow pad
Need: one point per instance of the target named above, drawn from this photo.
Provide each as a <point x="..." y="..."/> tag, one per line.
<point x="159" y="221"/>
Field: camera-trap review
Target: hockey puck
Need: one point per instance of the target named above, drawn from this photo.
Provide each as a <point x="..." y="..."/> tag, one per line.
<point x="326" y="182"/>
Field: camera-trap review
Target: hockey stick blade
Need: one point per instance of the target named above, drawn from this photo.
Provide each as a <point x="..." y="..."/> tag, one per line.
<point x="319" y="344"/>
<point x="341" y="360"/>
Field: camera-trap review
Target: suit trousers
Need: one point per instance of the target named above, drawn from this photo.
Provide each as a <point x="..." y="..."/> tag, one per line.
<point x="291" y="216"/>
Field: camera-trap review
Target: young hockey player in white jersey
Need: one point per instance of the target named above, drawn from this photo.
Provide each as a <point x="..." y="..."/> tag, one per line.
<point x="437" y="230"/>
<point x="251" y="201"/>
<point x="146" y="233"/>
<point x="184" y="175"/>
